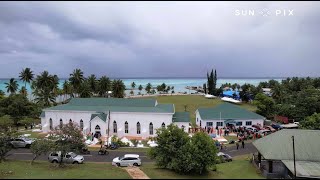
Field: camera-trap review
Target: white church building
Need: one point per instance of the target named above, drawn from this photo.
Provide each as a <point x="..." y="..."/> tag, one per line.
<point x="134" y="118"/>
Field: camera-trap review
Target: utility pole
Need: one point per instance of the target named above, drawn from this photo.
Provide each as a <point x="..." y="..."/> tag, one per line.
<point x="294" y="159"/>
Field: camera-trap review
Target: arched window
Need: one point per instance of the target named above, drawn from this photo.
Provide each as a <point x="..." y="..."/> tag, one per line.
<point x="138" y="128"/>
<point x="50" y="124"/>
<point x="114" y="127"/>
<point x="163" y="125"/>
<point x="151" y="129"/>
<point x="70" y="121"/>
<point x="61" y="123"/>
<point x="200" y="123"/>
<point x="97" y="128"/>
<point x="81" y="124"/>
<point x="126" y="127"/>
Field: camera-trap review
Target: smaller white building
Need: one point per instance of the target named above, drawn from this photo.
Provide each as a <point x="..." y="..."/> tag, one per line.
<point x="226" y="114"/>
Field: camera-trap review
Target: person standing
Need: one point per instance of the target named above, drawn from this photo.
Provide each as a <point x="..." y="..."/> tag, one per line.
<point x="242" y="142"/>
<point x="237" y="144"/>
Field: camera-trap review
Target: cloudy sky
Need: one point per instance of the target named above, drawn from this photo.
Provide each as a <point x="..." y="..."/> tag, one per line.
<point x="160" y="39"/>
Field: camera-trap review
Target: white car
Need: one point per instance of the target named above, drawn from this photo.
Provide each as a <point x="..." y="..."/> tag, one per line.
<point x="153" y="144"/>
<point x="21" y="142"/>
<point x="127" y="160"/>
<point x="253" y="129"/>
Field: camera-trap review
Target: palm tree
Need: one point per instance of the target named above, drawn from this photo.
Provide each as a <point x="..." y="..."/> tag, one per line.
<point x="92" y="80"/>
<point x="148" y="88"/>
<point x="104" y="85"/>
<point x="118" y="88"/>
<point x="12" y="86"/>
<point x="85" y="90"/>
<point x="76" y="78"/>
<point x="45" y="88"/>
<point x="26" y="75"/>
<point x="2" y="94"/>
<point x="23" y="91"/>
<point x="65" y="88"/>
<point x="133" y="85"/>
<point x="140" y="88"/>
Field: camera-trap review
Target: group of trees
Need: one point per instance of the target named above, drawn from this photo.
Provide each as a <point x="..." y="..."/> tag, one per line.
<point x="295" y="98"/>
<point x="45" y="86"/>
<point x="18" y="109"/>
<point x="211" y="83"/>
<point x="65" y="138"/>
<point x="183" y="154"/>
<point x="150" y="89"/>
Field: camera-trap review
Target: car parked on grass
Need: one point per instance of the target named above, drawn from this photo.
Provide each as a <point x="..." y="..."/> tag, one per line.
<point x="127" y="160"/>
<point x="21" y="142"/>
<point x="225" y="157"/>
<point x="69" y="158"/>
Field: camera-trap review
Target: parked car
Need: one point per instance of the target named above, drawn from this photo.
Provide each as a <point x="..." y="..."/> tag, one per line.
<point x="276" y="126"/>
<point x="257" y="127"/>
<point x="21" y="142"/>
<point x="270" y="128"/>
<point x="252" y="129"/>
<point x="127" y="160"/>
<point x="264" y="132"/>
<point x="226" y="157"/>
<point x="70" y="158"/>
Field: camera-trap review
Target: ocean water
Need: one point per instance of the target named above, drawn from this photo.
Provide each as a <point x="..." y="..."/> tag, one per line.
<point x="178" y="83"/>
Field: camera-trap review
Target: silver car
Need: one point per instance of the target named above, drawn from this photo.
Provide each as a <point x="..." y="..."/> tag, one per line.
<point x="127" y="160"/>
<point x="69" y="158"/>
<point x="21" y="142"/>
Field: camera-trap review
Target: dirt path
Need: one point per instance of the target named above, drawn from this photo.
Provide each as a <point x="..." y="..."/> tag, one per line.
<point x="136" y="173"/>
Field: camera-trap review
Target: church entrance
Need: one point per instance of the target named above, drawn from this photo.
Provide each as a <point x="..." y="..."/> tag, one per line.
<point x="97" y="132"/>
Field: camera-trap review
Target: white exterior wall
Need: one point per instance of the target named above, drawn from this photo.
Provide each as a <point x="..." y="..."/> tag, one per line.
<point x="204" y="122"/>
<point x="254" y="122"/>
<point x="119" y="117"/>
<point x="185" y="124"/>
<point x="198" y="118"/>
<point x="143" y="118"/>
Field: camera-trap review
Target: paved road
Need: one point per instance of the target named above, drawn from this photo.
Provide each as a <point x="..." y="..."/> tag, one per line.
<point x="232" y="150"/>
<point x="25" y="154"/>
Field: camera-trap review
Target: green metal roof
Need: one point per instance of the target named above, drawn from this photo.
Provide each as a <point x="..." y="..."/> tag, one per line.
<point x="114" y="105"/>
<point x="278" y="145"/>
<point x="181" y="117"/>
<point x="228" y="111"/>
<point x="102" y="116"/>
<point x="134" y="102"/>
<point x="304" y="168"/>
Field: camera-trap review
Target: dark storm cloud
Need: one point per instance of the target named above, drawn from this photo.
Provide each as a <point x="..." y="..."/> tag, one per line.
<point x="124" y="39"/>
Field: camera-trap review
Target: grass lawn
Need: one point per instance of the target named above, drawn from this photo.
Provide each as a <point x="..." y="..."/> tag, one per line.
<point x="239" y="168"/>
<point x="33" y="134"/>
<point x="193" y="102"/>
<point x="46" y="170"/>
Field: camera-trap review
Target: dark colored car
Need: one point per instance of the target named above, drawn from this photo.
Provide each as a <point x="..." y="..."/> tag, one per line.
<point x="276" y="126"/>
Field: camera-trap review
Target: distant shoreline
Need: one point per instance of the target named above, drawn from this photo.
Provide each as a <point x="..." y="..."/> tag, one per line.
<point x="182" y="78"/>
